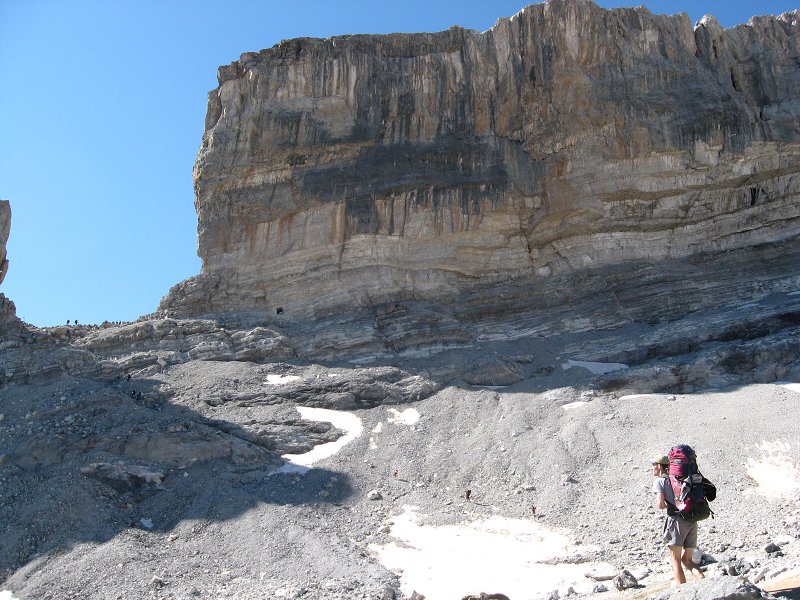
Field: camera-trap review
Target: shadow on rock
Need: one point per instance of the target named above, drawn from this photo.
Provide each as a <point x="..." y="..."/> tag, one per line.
<point x="82" y="461"/>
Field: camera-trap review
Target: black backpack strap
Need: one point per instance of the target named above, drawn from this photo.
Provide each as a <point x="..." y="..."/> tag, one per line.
<point x="672" y="510"/>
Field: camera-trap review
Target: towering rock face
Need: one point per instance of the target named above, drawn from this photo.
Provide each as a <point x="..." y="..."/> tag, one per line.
<point x="5" y="229"/>
<point x="568" y="139"/>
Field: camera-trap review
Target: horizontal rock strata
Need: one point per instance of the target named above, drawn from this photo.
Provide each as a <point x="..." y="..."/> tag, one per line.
<point x="366" y="170"/>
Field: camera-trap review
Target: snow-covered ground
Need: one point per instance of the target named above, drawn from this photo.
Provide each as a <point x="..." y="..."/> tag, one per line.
<point x="522" y="557"/>
<point x="273" y="379"/>
<point x="774" y="472"/>
<point x="409" y="416"/>
<point x="452" y="560"/>
<point x="347" y="422"/>
<point x="489" y="554"/>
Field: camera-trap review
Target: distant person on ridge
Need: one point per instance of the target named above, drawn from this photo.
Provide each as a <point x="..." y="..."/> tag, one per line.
<point x="680" y="533"/>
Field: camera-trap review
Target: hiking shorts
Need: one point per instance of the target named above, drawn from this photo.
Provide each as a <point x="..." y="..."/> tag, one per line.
<point x="680" y="532"/>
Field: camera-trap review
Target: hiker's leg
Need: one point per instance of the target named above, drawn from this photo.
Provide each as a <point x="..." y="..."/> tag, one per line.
<point x="686" y="558"/>
<point x="675" y="553"/>
<point x="674" y="541"/>
<point x="689" y="544"/>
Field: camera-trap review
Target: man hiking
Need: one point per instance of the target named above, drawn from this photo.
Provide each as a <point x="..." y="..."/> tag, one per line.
<point x="680" y="534"/>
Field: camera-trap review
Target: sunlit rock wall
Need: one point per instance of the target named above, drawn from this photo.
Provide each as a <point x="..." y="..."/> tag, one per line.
<point x="5" y="230"/>
<point x="357" y="170"/>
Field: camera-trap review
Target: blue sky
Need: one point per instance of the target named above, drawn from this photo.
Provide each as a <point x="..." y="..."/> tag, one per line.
<point x="102" y="105"/>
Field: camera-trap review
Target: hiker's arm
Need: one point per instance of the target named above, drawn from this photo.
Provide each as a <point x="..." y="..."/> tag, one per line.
<point x="660" y="502"/>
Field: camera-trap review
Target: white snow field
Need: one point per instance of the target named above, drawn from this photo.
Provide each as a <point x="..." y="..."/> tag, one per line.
<point x="348" y="422"/>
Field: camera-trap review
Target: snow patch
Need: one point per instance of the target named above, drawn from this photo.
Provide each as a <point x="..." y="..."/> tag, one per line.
<point x="409" y="416"/>
<point x="573" y="405"/>
<point x="7" y="595"/>
<point x="795" y="387"/>
<point x="707" y="20"/>
<point x="494" y="553"/>
<point x="597" y="368"/>
<point x="638" y="396"/>
<point x="300" y="463"/>
<point x="373" y="445"/>
<point x="279" y="379"/>
<point x="775" y="473"/>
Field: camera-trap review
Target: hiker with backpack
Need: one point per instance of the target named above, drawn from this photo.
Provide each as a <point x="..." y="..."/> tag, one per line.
<point x="682" y="490"/>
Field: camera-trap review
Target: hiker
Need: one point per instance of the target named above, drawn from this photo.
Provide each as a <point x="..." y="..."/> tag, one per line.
<point x="680" y="534"/>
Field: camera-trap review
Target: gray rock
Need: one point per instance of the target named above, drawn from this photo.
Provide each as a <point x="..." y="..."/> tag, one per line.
<point x="389" y="593"/>
<point x="493" y="372"/>
<point x="5" y="230"/>
<point x="625" y="580"/>
<point x="720" y="588"/>
<point x="135" y="480"/>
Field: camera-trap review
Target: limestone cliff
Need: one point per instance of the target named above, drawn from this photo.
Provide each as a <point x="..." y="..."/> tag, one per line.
<point x="568" y="139"/>
<point x="8" y="312"/>
<point x="5" y="229"/>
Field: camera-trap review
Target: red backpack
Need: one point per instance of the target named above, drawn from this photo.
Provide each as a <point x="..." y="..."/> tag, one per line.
<point x="692" y="491"/>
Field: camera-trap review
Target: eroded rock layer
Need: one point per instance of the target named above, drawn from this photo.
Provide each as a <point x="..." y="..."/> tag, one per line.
<point x="362" y="170"/>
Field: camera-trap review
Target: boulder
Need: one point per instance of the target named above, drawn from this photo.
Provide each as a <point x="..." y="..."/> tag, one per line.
<point x="625" y="580"/>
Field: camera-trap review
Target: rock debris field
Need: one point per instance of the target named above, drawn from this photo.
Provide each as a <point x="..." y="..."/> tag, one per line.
<point x="169" y="484"/>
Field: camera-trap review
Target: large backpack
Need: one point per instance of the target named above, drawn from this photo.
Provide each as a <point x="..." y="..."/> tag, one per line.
<point x="692" y="491"/>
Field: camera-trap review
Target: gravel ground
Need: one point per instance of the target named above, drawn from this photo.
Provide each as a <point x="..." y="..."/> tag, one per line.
<point x="553" y="453"/>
